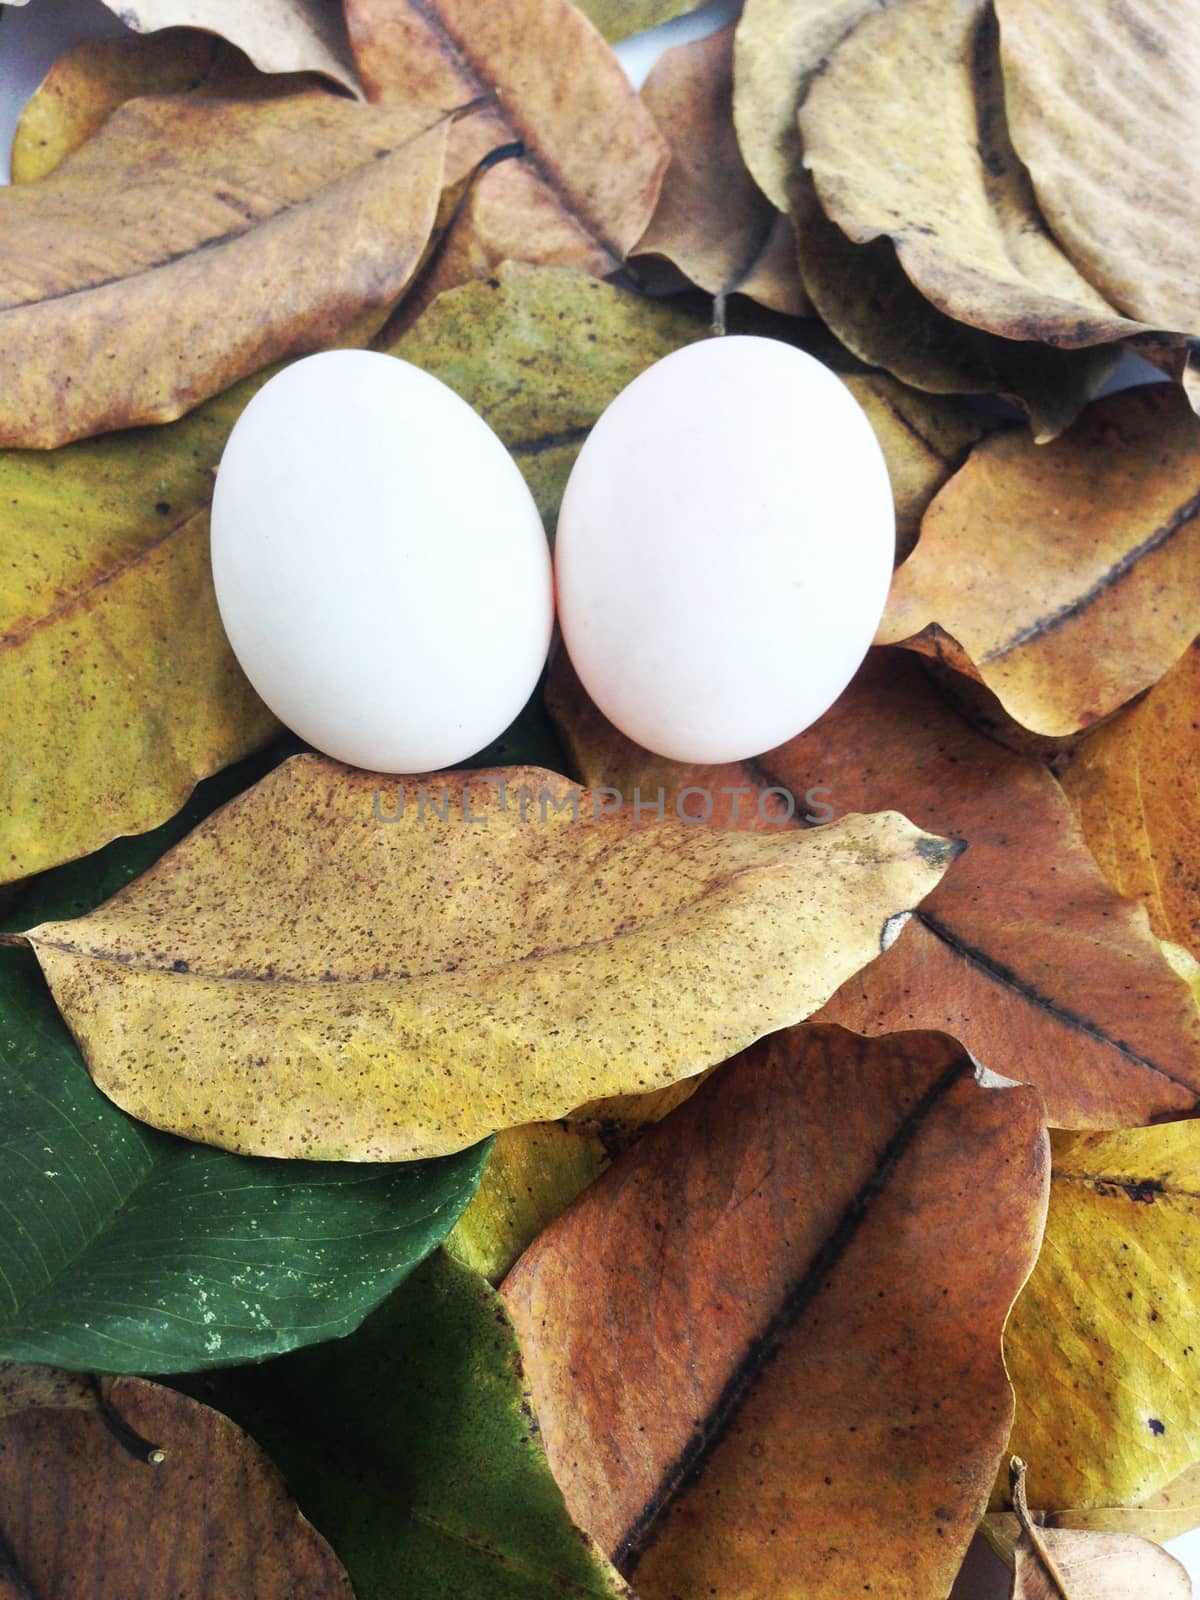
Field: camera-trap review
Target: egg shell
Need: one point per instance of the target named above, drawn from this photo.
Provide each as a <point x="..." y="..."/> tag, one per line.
<point x="724" y="549"/>
<point x="380" y="565"/>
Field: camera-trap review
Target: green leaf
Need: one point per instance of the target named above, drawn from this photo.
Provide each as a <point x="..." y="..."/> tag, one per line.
<point x="413" y="1448"/>
<point x="126" y="1250"/>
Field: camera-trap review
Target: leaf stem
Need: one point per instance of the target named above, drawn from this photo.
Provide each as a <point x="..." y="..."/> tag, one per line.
<point x="1016" y="1480"/>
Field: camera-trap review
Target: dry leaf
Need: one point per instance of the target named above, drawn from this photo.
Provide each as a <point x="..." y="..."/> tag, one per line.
<point x="777" y="48"/>
<point x="711" y="220"/>
<point x="504" y="344"/>
<point x="277" y="35"/>
<point x="1102" y="1345"/>
<point x="1023" y="952"/>
<point x="206" y="239"/>
<point x="23" y="1387"/>
<point x="594" y="160"/>
<point x="331" y="968"/>
<point x="1135" y="784"/>
<point x="1064" y="577"/>
<point x="157" y="1488"/>
<point x="1101" y="97"/>
<point x="925" y="439"/>
<point x="1167" y="1514"/>
<point x="905" y="137"/>
<point x="87" y="84"/>
<point x="862" y="293"/>
<point x="1050" y="1565"/>
<point x="841" y="1226"/>
<point x="118" y="689"/>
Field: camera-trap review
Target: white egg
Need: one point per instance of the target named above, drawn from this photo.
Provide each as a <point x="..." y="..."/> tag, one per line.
<point x="380" y="565"/>
<point x="724" y="549"/>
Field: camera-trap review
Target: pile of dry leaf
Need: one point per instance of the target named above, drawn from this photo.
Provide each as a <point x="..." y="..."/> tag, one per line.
<point x="879" y="1149"/>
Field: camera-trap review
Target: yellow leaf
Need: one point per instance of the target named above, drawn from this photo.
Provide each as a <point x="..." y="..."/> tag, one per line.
<point x="1064" y="577"/>
<point x="118" y="689"/>
<point x="206" y="239"/>
<point x="1102" y="1345"/>
<point x="301" y="978"/>
<point x="1135" y="784"/>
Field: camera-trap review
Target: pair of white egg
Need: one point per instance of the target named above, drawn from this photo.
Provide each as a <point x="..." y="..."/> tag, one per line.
<point x="722" y="557"/>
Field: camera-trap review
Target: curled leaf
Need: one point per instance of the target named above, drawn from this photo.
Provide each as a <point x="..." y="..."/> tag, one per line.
<point x="905" y="137"/>
<point x="1064" y="577"/>
<point x="157" y="1482"/>
<point x="594" y="160"/>
<point x="1101" y="99"/>
<point x="1133" y="784"/>
<point x="864" y="295"/>
<point x="711" y="220"/>
<point x="1051" y="1565"/>
<point x="1101" y="1346"/>
<point x="277" y="35"/>
<point x="841" y="1226"/>
<point x="1023" y="952"/>
<point x="207" y="239"/>
<point x="315" y="972"/>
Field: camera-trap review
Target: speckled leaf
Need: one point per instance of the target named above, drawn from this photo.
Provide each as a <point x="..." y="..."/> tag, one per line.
<point x="150" y="1493"/>
<point x="277" y="35"/>
<point x="1064" y="577"/>
<point x="836" y="1227"/>
<point x="1102" y="1345"/>
<point x="1023" y="951"/>
<point x="118" y="689"/>
<point x="413" y="1447"/>
<point x="125" y="1250"/>
<point x="1135" y="784"/>
<point x="271" y="987"/>
<point x="711" y="220"/>
<point x="905" y="137"/>
<point x="208" y="238"/>
<point x="594" y="160"/>
<point x="505" y="344"/>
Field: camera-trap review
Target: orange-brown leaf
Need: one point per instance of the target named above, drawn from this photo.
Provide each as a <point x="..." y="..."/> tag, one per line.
<point x="764" y="1348"/>
<point x="1065" y="577"/>
<point x="1024" y="952"/>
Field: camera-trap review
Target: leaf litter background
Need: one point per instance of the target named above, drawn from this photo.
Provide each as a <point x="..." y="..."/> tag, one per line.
<point x="1035" y="696"/>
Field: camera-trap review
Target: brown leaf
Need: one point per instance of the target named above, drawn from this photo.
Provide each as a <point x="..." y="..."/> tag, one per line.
<point x="905" y="136"/>
<point x="1164" y="1515"/>
<point x="863" y="294"/>
<point x="23" y="1387"/>
<point x="1064" y="577"/>
<point x="154" y="1488"/>
<point x="1134" y="785"/>
<point x="269" y="987"/>
<point x="1024" y="952"/>
<point x="87" y="84"/>
<point x="1101" y="97"/>
<point x="711" y="220"/>
<point x="588" y="184"/>
<point x="1053" y="1565"/>
<point x="206" y="239"/>
<point x="277" y="35"/>
<point x="840" y="1226"/>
